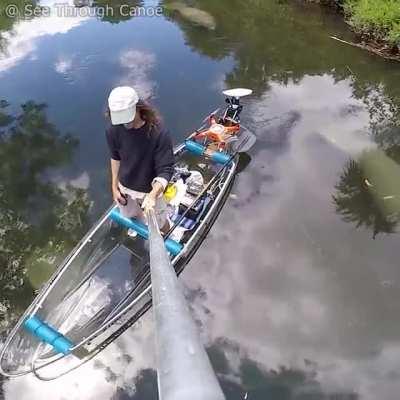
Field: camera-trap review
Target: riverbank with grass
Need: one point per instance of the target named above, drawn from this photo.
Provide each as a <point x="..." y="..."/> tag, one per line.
<point x="376" y="22"/>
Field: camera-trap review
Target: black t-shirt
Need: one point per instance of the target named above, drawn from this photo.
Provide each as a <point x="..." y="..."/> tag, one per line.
<point x="144" y="154"/>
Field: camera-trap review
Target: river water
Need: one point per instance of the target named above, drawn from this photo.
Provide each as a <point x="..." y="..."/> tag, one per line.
<point x="297" y="287"/>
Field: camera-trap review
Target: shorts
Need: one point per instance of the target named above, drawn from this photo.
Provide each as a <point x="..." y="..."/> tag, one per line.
<point x="133" y="209"/>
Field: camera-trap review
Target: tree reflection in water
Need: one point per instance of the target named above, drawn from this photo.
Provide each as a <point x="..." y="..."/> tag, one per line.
<point x="250" y="381"/>
<point x="368" y="192"/>
<point x="117" y="14"/>
<point x="39" y="221"/>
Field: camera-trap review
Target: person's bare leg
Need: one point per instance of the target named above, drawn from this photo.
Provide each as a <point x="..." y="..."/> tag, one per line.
<point x="128" y="210"/>
<point x="140" y="215"/>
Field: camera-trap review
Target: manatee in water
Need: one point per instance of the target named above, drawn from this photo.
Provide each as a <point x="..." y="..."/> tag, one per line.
<point x="193" y="15"/>
<point x="382" y="178"/>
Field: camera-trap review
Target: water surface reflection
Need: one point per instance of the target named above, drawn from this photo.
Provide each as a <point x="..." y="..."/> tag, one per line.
<point x="287" y="280"/>
<point x="294" y="296"/>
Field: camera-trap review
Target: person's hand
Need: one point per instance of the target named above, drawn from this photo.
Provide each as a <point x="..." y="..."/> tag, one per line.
<point x="149" y="203"/>
<point x="118" y="197"/>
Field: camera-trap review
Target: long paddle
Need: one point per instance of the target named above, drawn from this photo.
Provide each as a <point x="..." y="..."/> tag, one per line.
<point x="183" y="369"/>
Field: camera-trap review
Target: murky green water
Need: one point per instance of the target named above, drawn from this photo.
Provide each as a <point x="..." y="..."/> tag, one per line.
<point x="297" y="288"/>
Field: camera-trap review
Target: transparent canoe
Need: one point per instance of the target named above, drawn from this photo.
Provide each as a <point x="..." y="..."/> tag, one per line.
<point x="104" y="286"/>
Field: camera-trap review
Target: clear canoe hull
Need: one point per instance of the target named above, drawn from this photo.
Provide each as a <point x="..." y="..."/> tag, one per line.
<point x="104" y="285"/>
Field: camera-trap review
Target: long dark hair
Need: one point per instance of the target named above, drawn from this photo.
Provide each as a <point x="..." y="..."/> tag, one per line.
<point x="147" y="113"/>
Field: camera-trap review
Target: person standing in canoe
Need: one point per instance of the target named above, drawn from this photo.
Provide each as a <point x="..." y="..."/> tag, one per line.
<point x="142" y="158"/>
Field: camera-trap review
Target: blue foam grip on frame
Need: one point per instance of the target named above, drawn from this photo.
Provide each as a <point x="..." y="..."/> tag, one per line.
<point x="220" y="157"/>
<point x="48" y="335"/>
<point x="194" y="147"/>
<point x="172" y="246"/>
<point x="62" y="345"/>
<point x="32" y="323"/>
<point x="198" y="149"/>
<point x="45" y="334"/>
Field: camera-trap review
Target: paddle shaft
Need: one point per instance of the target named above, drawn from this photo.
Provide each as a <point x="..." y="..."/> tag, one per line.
<point x="184" y="370"/>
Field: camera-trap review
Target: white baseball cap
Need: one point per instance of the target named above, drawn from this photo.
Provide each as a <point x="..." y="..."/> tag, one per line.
<point x="122" y="104"/>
